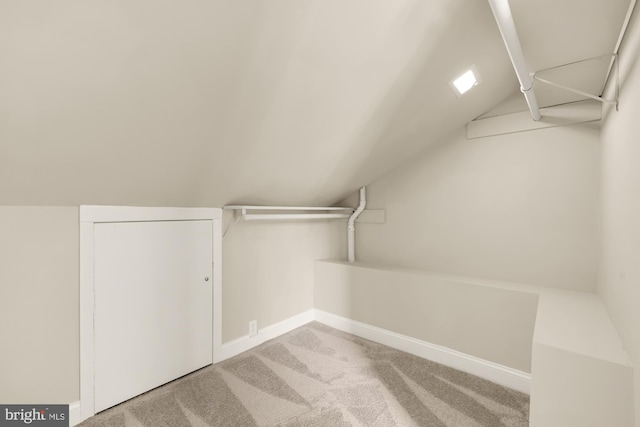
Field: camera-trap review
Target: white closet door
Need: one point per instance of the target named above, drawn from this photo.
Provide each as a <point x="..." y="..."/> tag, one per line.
<point x="153" y="305"/>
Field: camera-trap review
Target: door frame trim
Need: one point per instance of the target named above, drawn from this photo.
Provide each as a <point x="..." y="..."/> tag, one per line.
<point x="89" y="216"/>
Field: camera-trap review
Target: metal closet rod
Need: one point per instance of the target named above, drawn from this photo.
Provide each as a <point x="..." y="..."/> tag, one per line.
<point x="331" y="212"/>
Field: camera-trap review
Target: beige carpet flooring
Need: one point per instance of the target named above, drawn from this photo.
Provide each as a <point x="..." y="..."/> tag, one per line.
<point x="318" y="376"/>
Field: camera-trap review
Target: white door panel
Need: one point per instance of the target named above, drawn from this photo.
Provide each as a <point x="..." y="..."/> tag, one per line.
<point x="153" y="305"/>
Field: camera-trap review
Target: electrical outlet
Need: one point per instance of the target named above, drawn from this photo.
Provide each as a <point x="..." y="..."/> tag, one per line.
<point x="253" y="328"/>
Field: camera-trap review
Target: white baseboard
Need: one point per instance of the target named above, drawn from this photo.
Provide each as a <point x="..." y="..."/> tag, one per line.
<point x="499" y="374"/>
<point x="242" y="344"/>
<point x="494" y="372"/>
<point x="75" y="414"/>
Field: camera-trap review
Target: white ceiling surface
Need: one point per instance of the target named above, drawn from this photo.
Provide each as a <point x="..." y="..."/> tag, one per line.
<point x="205" y="103"/>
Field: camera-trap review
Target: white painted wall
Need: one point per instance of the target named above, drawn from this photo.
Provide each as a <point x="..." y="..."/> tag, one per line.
<point x="268" y="276"/>
<point x="619" y="279"/>
<point x="580" y="374"/>
<point x="39" y="316"/>
<point x="490" y="320"/>
<point x="268" y="272"/>
<point x="520" y="207"/>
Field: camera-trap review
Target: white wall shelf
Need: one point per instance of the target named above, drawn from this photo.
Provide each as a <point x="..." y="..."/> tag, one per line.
<point x="257" y="213"/>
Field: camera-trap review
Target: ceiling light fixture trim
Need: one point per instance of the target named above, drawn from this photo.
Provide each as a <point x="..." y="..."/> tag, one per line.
<point x="465" y="81"/>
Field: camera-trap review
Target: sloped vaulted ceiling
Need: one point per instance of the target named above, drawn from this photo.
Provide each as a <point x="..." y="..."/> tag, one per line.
<point x="204" y="103"/>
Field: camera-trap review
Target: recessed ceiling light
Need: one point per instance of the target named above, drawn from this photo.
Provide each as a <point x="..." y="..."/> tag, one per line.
<point x="465" y="81"/>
